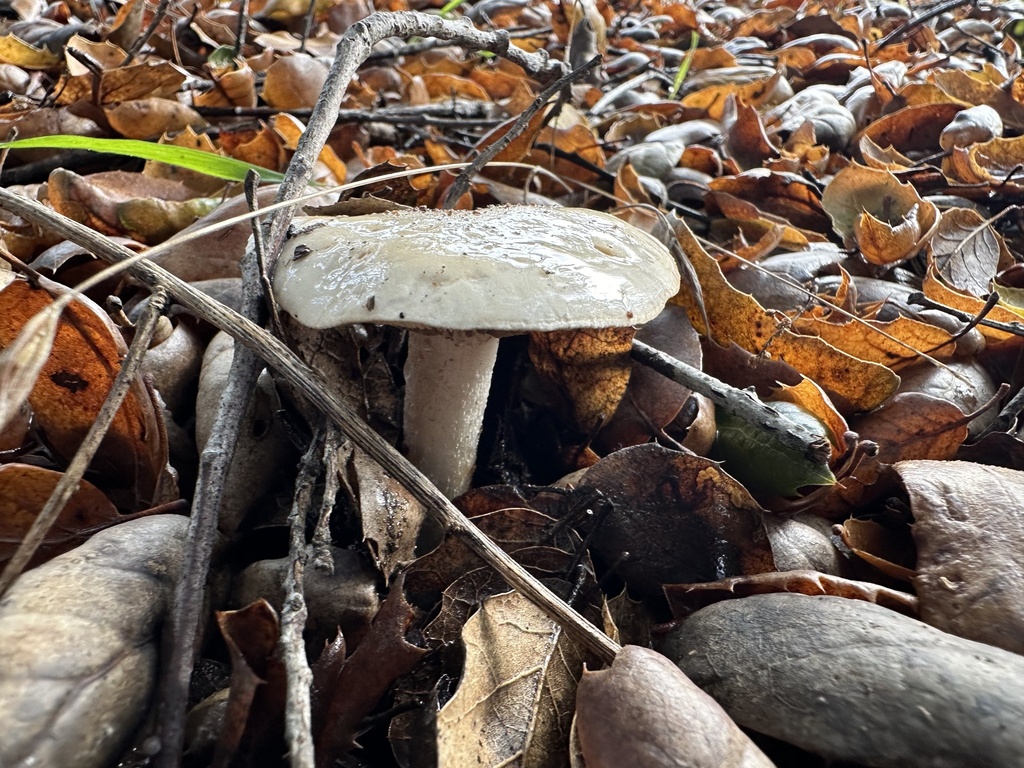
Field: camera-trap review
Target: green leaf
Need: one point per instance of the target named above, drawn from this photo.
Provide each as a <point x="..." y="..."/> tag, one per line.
<point x="763" y="464"/>
<point x="195" y="160"/>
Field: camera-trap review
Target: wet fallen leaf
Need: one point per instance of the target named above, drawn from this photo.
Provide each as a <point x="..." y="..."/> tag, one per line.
<point x="967" y="525"/>
<point x="679" y="517"/>
<point x="644" y="711"/>
<point x="832" y="676"/>
<point x="80" y="637"/>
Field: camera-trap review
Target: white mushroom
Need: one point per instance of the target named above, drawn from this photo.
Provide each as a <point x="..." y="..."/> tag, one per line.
<point x="458" y="280"/>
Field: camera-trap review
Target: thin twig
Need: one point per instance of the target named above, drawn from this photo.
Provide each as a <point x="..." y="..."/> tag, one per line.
<point x="736" y="401"/>
<point x="69" y="481"/>
<point x="912" y="24"/>
<point x="214" y="464"/>
<point x="298" y="718"/>
<point x="158" y="16"/>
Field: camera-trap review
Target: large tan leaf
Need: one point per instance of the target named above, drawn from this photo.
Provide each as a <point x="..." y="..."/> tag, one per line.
<point x="888" y="220"/>
<point x="852" y="681"/>
<point x="80" y="638"/>
<point x="515" y="700"/>
<point x="968" y="526"/>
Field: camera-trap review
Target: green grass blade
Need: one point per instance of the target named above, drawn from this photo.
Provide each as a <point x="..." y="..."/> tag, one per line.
<point x="184" y="157"/>
<point x="685" y="67"/>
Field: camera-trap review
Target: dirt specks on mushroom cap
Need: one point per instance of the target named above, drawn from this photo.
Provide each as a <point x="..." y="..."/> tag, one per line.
<point x="507" y="268"/>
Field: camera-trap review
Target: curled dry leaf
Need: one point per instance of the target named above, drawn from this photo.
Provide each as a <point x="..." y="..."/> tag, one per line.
<point x="968" y="525"/>
<point x="888" y="220"/>
<point x="737" y="318"/>
<point x="644" y="712"/>
<point x="390" y="516"/>
<point x="74" y="381"/>
<point x="833" y="676"/>
<point x="515" y="699"/>
<point x="685" y="599"/>
<point x="80" y="637"/>
<point x="679" y="516"/>
<point x="967" y="250"/>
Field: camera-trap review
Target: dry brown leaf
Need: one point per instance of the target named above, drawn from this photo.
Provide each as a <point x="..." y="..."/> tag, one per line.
<point x="832" y="676"/>
<point x="24" y="489"/>
<point x="894" y="344"/>
<point x="391" y="517"/>
<point x="294" y="82"/>
<point x="149" y="118"/>
<point x="14" y="50"/>
<point x="968" y="525"/>
<point x="515" y="699"/>
<point x="737" y="318"/>
<point x="644" y="712"/>
<point x="588" y="369"/>
<point x="913" y="425"/>
<point x="872" y="209"/>
<point x="74" y="381"/>
<point x="157" y="80"/>
<point x="936" y="289"/>
<point x="382" y="657"/>
<point x="967" y="250"/>
<point x="912" y="129"/>
<point x="252" y="723"/>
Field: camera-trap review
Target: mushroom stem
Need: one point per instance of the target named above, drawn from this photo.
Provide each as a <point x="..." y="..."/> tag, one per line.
<point x="447" y="378"/>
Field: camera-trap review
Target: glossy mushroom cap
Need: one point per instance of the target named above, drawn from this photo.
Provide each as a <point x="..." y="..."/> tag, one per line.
<point x="454" y="278"/>
<point x="506" y="269"/>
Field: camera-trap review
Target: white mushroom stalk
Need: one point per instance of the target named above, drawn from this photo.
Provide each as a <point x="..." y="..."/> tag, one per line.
<point x="447" y="379"/>
<point x="457" y="279"/>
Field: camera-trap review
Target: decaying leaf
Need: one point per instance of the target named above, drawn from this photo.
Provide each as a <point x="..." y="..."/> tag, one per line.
<point x="352" y="692"/>
<point x="24" y="489"/>
<point x="888" y="220"/>
<point x="852" y="681"/>
<point x="968" y="526"/>
<point x="252" y="716"/>
<point x="80" y="636"/>
<point x="588" y="368"/>
<point x="74" y="381"/>
<point x="514" y="702"/>
<point x="678" y="516"/>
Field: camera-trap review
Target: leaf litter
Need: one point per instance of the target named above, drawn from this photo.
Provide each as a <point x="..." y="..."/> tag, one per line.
<point x="842" y="187"/>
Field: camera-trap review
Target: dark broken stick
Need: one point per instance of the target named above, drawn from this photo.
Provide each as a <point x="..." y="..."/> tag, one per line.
<point x="739" y="402"/>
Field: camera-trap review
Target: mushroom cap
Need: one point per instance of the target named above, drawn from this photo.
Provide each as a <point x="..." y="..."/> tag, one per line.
<point x="504" y="269"/>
